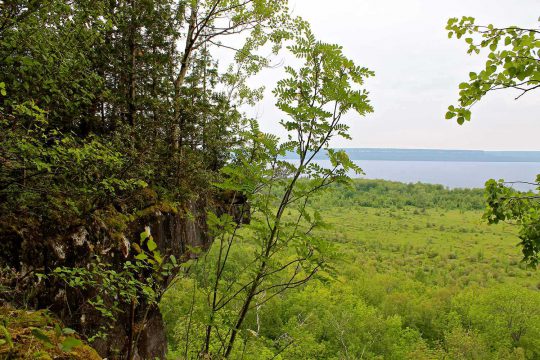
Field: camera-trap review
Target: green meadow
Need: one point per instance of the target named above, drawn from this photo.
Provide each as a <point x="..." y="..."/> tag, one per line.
<point x="435" y="246"/>
<point x="415" y="273"/>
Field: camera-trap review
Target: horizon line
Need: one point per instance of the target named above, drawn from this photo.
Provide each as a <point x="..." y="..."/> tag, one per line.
<point x="432" y="149"/>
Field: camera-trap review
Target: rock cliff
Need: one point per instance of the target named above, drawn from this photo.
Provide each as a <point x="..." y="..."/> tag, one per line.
<point x="174" y="230"/>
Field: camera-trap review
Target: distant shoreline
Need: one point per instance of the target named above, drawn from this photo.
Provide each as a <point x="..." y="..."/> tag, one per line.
<point x="433" y="155"/>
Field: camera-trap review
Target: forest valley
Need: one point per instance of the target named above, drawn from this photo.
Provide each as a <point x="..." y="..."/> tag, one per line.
<point x="143" y="215"/>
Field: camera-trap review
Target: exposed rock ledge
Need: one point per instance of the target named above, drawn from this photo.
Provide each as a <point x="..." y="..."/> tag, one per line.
<point x="174" y="231"/>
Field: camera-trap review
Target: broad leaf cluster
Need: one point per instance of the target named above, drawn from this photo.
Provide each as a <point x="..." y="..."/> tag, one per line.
<point x="513" y="62"/>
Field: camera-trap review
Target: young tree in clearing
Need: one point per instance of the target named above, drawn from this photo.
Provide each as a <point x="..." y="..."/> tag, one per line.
<point x="287" y="252"/>
<point x="513" y="62"/>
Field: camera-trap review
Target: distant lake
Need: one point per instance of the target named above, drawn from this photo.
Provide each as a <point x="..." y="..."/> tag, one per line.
<point x="452" y="174"/>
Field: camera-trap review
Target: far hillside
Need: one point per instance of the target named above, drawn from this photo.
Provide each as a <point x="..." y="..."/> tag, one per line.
<point x="434" y="155"/>
<point x="380" y="193"/>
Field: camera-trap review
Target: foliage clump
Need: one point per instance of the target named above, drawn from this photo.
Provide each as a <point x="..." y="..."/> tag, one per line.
<point x="513" y="62"/>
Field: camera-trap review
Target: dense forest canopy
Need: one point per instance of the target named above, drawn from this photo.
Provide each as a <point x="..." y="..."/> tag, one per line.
<point x="124" y="154"/>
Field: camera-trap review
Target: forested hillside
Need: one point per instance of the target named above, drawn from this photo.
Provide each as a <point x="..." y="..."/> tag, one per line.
<point x="416" y="274"/>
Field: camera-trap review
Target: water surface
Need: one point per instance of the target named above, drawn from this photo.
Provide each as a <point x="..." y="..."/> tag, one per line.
<point x="452" y="174"/>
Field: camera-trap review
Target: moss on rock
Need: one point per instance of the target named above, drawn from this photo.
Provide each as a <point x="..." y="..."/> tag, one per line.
<point x="34" y="335"/>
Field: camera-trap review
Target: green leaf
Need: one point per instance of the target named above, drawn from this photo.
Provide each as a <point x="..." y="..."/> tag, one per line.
<point x="7" y="336"/>
<point x="158" y="258"/>
<point x="151" y="244"/>
<point x="40" y="335"/>
<point x="57" y="330"/>
<point x="69" y="343"/>
<point x="136" y="247"/>
<point x="141" y="256"/>
<point x="143" y="236"/>
<point x="68" y="331"/>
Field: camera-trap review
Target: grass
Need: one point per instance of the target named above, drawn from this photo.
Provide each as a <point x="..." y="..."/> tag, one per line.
<point x="451" y="247"/>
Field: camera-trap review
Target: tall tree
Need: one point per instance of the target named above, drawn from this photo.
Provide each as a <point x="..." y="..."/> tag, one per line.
<point x="314" y="98"/>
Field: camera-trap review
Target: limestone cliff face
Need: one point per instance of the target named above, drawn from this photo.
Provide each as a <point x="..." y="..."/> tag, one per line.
<point x="40" y="244"/>
<point x="173" y="231"/>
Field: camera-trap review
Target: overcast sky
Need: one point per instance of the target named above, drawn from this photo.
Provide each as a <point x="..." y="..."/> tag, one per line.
<point x="418" y="70"/>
